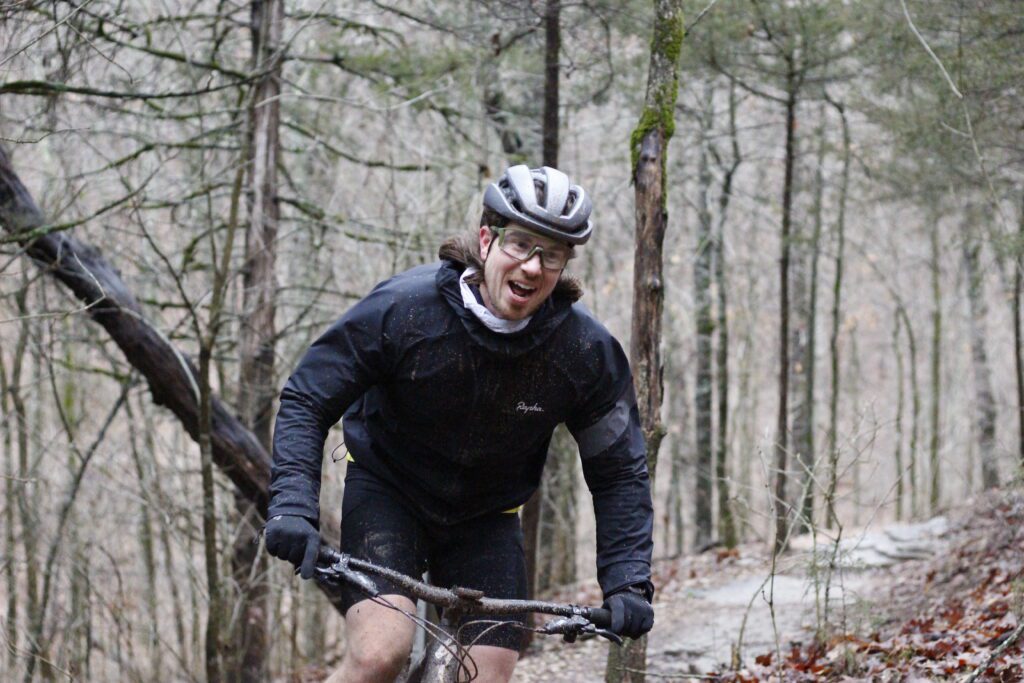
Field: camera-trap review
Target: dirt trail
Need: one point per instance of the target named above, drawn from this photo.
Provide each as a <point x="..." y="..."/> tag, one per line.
<point x="702" y="602"/>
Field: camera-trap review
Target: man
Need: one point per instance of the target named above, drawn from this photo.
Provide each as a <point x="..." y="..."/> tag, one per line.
<point x="452" y="377"/>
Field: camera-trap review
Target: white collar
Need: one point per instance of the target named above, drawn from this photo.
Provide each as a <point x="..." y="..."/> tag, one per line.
<point x="491" y="321"/>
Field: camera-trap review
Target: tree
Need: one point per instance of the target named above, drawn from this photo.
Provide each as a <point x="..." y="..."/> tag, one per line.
<point x="257" y="384"/>
<point x="649" y="148"/>
<point x="704" y="381"/>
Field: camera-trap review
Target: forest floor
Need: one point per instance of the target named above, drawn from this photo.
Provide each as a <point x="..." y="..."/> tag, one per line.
<point x="936" y="600"/>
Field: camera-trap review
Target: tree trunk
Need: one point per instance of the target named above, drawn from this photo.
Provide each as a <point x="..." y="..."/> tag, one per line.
<point x="934" y="494"/>
<point x="257" y="386"/>
<point x="915" y="412"/>
<point x="726" y="523"/>
<point x="155" y="657"/>
<point x="14" y="479"/>
<point x="805" y="509"/>
<point x="552" y="54"/>
<point x="703" y="521"/>
<point x="782" y="422"/>
<point x="27" y="486"/>
<point x="1018" y="357"/>
<point x="648" y="149"/>
<point x="898" y="452"/>
<point x="984" y="400"/>
<point x="831" y="521"/>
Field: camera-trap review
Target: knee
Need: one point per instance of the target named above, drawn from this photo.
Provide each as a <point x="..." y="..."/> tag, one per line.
<point x="380" y="660"/>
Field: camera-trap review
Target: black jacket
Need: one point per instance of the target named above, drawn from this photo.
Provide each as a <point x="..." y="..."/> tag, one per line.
<point x="459" y="418"/>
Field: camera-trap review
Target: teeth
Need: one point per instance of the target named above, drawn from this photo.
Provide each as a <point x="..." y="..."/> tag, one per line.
<point x="522" y="288"/>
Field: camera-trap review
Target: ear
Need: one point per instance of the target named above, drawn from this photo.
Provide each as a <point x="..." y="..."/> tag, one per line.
<point x="486" y="237"/>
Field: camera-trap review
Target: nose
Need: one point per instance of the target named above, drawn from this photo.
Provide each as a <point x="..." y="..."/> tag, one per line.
<point x="532" y="265"/>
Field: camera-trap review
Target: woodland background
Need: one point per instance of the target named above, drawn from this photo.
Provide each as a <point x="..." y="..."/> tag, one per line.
<point x="214" y="182"/>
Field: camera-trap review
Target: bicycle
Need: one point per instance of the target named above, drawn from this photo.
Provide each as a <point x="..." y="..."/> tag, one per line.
<point x="445" y="660"/>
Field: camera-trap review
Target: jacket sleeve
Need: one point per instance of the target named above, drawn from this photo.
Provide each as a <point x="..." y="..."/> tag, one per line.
<point x="613" y="455"/>
<point x="336" y="370"/>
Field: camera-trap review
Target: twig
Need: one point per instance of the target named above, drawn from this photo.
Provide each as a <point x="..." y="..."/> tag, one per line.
<point x="996" y="653"/>
<point x="44" y="33"/>
<point x="928" y="49"/>
<point x="700" y="15"/>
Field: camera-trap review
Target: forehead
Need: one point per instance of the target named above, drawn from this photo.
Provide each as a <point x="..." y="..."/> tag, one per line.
<point x="542" y="240"/>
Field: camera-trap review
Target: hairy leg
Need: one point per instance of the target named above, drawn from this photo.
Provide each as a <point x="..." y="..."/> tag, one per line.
<point x="379" y="640"/>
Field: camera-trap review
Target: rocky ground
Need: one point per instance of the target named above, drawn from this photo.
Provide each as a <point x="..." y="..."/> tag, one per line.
<point x="928" y="601"/>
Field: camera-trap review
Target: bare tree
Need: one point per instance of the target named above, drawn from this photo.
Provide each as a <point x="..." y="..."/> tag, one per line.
<point x="649" y="151"/>
<point x="704" y="381"/>
<point x="726" y="521"/>
<point x="984" y="400"/>
<point x="257" y="385"/>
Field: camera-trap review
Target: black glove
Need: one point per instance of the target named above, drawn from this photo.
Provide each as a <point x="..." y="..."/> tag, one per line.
<point x="632" y="614"/>
<point x="293" y="538"/>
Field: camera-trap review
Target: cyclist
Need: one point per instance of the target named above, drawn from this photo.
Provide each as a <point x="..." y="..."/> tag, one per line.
<point x="451" y="378"/>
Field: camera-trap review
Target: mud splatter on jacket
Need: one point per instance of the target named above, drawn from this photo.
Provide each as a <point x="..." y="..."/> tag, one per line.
<point x="459" y="418"/>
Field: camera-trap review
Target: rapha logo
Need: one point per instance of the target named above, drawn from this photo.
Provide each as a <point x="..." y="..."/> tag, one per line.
<point x="521" y="407"/>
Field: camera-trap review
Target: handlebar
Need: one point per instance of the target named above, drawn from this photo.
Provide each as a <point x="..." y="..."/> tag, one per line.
<point x="576" y="620"/>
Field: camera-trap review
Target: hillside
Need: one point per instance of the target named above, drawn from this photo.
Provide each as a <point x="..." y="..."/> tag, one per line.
<point x="939" y="600"/>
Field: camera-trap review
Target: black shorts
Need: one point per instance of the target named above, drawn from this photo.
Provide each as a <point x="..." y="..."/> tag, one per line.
<point x="485" y="553"/>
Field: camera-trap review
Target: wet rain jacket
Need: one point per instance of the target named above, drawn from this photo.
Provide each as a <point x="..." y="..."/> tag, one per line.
<point x="459" y="418"/>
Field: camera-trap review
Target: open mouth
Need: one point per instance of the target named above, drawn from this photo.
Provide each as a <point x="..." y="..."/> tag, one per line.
<point x="521" y="290"/>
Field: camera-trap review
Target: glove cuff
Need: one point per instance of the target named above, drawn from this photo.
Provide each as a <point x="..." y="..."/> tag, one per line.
<point x="645" y="590"/>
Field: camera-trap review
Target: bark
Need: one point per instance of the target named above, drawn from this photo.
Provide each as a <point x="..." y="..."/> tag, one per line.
<point x="799" y="410"/>
<point x="171" y="377"/>
<point x="782" y="422"/>
<point x="257" y="383"/>
<point x="702" y="266"/>
<point x="27" y="486"/>
<point x="898" y="452"/>
<point x="934" y="493"/>
<point x="13" y="484"/>
<point x="674" y="521"/>
<point x="915" y="411"/>
<point x="148" y="549"/>
<point x="833" y="344"/>
<point x="726" y="523"/>
<point x="648" y="148"/>
<point x="806" y="441"/>
<point x="1018" y="357"/>
<point x="215" y="608"/>
<point x="552" y="54"/>
<point x="984" y="399"/>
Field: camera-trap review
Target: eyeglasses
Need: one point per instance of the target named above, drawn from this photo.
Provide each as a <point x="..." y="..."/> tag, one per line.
<point x="521" y="246"/>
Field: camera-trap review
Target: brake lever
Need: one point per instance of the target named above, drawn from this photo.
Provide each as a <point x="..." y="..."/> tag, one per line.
<point x="339" y="571"/>
<point x="608" y="635"/>
<point x="577" y="626"/>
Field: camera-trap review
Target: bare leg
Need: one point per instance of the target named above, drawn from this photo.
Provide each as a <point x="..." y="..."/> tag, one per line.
<point x="495" y="664"/>
<point x="378" y="639"/>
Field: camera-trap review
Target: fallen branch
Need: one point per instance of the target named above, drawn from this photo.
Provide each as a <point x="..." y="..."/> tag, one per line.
<point x="171" y="377"/>
<point x="996" y="653"/>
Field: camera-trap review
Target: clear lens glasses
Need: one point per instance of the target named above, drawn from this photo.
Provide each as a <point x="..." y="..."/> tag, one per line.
<point x="521" y="246"/>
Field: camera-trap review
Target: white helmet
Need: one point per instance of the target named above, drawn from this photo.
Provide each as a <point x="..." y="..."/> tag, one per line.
<point x="562" y="210"/>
